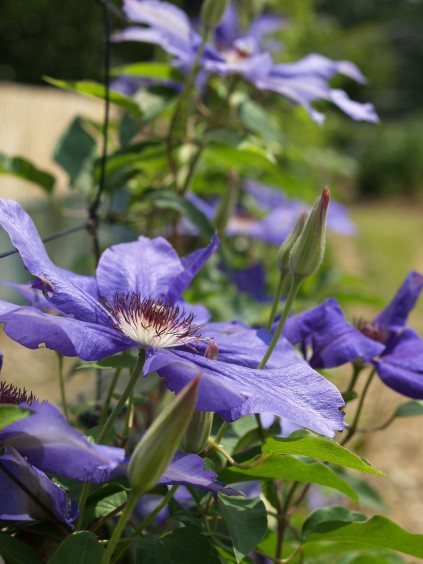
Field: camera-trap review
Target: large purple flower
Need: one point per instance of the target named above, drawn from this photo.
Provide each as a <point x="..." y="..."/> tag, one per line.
<point x="396" y="351"/>
<point x="132" y="303"/>
<point x="233" y="52"/>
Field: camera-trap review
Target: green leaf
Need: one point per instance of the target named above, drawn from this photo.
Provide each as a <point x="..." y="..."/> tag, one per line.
<point x="337" y="523"/>
<point x="255" y="118"/>
<point x="245" y="157"/>
<point x="288" y="468"/>
<point x="15" y="551"/>
<point x="105" y="500"/>
<point x="75" y="151"/>
<point x="22" y="168"/>
<point x="409" y="409"/>
<point x="81" y="547"/>
<point x="183" y="546"/>
<point x="10" y="413"/>
<point x="161" y="71"/>
<point x="320" y="449"/>
<point x="97" y="90"/>
<point x="246" y="520"/>
<point x="169" y="200"/>
<point x="116" y="361"/>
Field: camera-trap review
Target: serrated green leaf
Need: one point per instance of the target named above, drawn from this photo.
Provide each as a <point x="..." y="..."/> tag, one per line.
<point x="15" y="551"/>
<point x="22" y="168"/>
<point x="246" y="520"/>
<point x="10" y="413"/>
<point x="97" y="90"/>
<point x="169" y="200"/>
<point x="320" y="449"/>
<point x="81" y="547"/>
<point x="183" y="546"/>
<point x="337" y="523"/>
<point x="288" y="468"/>
<point x="409" y="409"/>
<point x="161" y="71"/>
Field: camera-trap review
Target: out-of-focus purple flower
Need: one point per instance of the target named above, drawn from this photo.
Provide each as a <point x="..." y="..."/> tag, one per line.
<point x="281" y="214"/>
<point x="132" y="304"/>
<point x="234" y="52"/>
<point x="396" y="351"/>
<point x="17" y="478"/>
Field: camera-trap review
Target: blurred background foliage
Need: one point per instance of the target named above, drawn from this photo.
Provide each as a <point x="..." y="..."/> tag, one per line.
<point x="383" y="37"/>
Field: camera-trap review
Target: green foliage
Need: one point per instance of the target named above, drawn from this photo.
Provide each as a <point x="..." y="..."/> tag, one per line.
<point x="82" y="547"/>
<point x="246" y="520"/>
<point x="15" y="551"/>
<point x="22" y="168"/>
<point x="11" y="413"/>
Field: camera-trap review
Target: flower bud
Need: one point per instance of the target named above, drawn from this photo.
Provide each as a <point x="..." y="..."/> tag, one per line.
<point x="286" y="247"/>
<point x="307" y="253"/>
<point x="198" y="431"/>
<point x="212" y="12"/>
<point x="155" y="450"/>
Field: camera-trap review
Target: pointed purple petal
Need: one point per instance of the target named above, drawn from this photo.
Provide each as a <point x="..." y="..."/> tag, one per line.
<point x="333" y="340"/>
<point x="394" y="316"/>
<point x="69" y="292"/>
<point x="16" y="505"/>
<point x="48" y="442"/>
<point x="71" y="337"/>
<point x="188" y="470"/>
<point x="401" y="366"/>
<point x="147" y="266"/>
<point x="355" y="110"/>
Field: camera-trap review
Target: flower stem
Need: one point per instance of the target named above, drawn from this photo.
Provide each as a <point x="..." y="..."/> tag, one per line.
<point x="279" y="292"/>
<point x="125" y="395"/>
<point x="109" y="395"/>
<point x="354" y="424"/>
<point x="296" y="282"/>
<point x="120" y="526"/>
<point x="62" y="386"/>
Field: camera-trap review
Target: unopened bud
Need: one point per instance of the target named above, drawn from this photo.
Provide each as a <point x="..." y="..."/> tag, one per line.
<point x="287" y="246"/>
<point x="307" y="253"/>
<point x="155" y="450"/>
<point x="212" y="12"/>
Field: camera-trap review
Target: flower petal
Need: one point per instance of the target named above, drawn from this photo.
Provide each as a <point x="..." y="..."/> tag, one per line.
<point x="70" y="293"/>
<point x="395" y="315"/>
<point x="401" y="366"/>
<point x="71" y="337"/>
<point x="48" y="442"/>
<point x="16" y="505"/>
<point x="188" y="470"/>
<point x="333" y="340"/>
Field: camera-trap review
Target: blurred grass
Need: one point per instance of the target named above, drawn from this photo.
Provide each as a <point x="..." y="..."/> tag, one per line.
<point x="388" y="245"/>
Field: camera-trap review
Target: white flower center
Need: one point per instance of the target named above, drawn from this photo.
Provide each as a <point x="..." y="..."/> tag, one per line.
<point x="152" y="324"/>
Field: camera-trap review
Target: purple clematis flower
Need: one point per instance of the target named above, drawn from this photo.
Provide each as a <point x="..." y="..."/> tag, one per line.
<point x="133" y="303"/>
<point x="233" y="52"/>
<point x="281" y="215"/>
<point x="396" y="351"/>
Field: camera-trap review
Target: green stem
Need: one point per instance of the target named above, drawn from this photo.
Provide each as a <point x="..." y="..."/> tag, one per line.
<point x="354" y="424"/>
<point x="357" y="368"/>
<point x="120" y="526"/>
<point x="296" y="282"/>
<point x="125" y="395"/>
<point x="221" y="432"/>
<point x="109" y="395"/>
<point x="82" y="502"/>
<point x="149" y="519"/>
<point x="62" y="386"/>
<point x="279" y="292"/>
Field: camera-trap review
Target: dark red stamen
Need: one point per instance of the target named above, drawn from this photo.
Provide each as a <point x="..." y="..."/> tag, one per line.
<point x="14" y="395"/>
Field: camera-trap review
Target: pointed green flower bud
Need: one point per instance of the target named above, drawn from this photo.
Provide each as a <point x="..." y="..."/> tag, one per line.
<point x="286" y="247"/>
<point x="198" y="431"/>
<point x="307" y="253"/>
<point x="212" y="12"/>
<point x="155" y="450"/>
